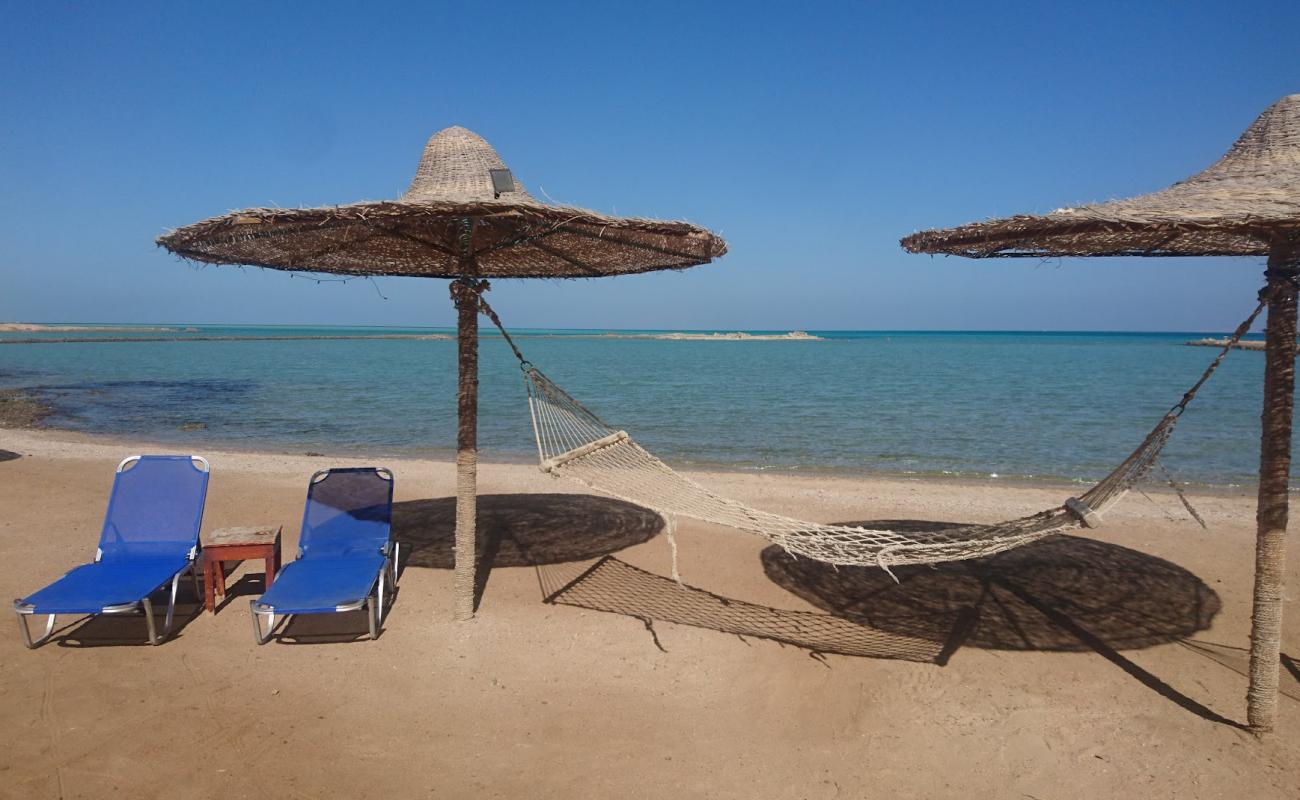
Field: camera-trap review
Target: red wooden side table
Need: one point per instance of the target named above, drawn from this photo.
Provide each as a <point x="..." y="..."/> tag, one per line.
<point x="237" y="544"/>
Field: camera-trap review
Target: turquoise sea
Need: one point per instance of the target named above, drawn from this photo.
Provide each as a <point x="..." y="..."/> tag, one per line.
<point x="1011" y="404"/>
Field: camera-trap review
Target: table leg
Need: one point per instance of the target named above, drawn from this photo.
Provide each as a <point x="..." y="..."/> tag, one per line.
<point x="220" y="570"/>
<point x="209" y="601"/>
<point x="272" y="567"/>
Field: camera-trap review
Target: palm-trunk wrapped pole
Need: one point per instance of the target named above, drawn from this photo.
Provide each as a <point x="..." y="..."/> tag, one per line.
<point x="1274" y="480"/>
<point x="465" y="293"/>
<point x="1245" y="204"/>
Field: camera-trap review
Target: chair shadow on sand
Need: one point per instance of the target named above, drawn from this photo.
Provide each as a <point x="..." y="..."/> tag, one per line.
<point x="128" y="630"/>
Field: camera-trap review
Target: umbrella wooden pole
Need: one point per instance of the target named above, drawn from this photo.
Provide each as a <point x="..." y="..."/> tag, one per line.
<point x="1274" y="479"/>
<point x="465" y="293"/>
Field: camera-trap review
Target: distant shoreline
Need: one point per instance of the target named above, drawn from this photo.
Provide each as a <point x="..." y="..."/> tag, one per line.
<point x="37" y="327"/>
<point x="203" y="338"/>
<point x="1244" y="344"/>
<point x="112" y="329"/>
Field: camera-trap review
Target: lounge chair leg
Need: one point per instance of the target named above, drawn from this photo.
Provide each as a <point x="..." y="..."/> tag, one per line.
<point x="194" y="575"/>
<point x="390" y="568"/>
<point x="257" y="630"/>
<point x="148" y="620"/>
<point x="27" y="633"/>
<point x="371" y="616"/>
<point x="24" y="630"/>
<point x="171" y="605"/>
<point x="261" y="638"/>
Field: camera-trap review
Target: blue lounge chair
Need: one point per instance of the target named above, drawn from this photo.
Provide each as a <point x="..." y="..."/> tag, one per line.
<point x="150" y="537"/>
<point x="345" y="554"/>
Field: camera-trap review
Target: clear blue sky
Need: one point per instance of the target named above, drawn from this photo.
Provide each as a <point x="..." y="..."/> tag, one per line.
<point x="812" y="137"/>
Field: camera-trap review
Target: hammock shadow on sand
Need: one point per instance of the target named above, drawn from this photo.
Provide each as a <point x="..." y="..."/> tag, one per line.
<point x="1060" y="594"/>
<point x="616" y="587"/>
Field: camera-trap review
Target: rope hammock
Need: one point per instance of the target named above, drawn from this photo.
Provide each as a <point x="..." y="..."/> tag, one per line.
<point x="574" y="443"/>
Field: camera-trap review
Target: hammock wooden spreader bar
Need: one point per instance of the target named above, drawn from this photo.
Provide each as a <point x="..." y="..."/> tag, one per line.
<point x="574" y="443"/>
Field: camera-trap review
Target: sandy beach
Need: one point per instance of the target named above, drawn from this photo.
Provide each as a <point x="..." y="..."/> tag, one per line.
<point x="869" y="285"/>
<point x="1103" y="665"/>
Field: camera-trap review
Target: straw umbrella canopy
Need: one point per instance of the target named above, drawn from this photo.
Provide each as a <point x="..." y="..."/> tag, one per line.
<point x="464" y="217"/>
<point x="1245" y="204"/>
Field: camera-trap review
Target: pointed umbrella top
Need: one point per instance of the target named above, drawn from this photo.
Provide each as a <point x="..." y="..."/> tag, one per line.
<point x="1246" y="200"/>
<point x="464" y="215"/>
<point x="457" y="165"/>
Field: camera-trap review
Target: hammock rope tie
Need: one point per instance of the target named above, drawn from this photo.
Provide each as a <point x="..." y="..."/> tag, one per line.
<point x="574" y="443"/>
<point x="1265" y="295"/>
<point x="491" y="314"/>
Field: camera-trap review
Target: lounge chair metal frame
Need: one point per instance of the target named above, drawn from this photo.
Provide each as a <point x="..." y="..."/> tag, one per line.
<point x="373" y="602"/>
<point x="144" y="605"/>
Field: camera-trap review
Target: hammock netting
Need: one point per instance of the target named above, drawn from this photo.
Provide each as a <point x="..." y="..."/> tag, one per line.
<point x="574" y="443"/>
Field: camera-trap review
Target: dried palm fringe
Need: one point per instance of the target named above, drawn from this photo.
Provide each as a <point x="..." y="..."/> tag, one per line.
<point x="572" y="442"/>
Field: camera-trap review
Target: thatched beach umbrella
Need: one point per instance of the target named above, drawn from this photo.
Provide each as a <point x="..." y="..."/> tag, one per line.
<point x="1246" y="204"/>
<point x="464" y="217"/>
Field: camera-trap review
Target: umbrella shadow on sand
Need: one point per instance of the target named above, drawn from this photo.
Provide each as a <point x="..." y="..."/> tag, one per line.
<point x="559" y="535"/>
<point x="521" y="530"/>
<point x="514" y="530"/>
<point x="1061" y="594"/>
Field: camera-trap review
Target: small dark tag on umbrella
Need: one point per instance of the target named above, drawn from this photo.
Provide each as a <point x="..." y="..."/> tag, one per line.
<point x="502" y="181"/>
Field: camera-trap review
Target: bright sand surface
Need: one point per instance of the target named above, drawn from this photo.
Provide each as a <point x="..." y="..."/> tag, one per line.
<point x="1075" y="670"/>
